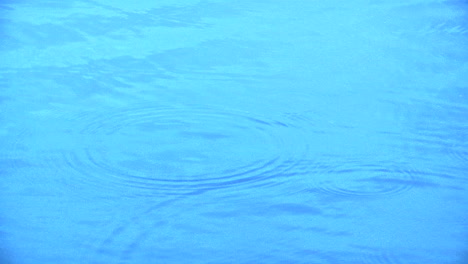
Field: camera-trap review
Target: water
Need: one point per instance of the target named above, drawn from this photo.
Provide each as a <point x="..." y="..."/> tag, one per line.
<point x="233" y="132"/>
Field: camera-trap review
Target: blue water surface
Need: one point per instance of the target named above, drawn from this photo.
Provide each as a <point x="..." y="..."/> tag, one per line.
<point x="233" y="131"/>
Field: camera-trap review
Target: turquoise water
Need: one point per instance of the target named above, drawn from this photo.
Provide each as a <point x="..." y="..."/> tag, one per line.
<point x="233" y="131"/>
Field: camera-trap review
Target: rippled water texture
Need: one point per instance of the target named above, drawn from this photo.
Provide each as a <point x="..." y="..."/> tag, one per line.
<point x="233" y="132"/>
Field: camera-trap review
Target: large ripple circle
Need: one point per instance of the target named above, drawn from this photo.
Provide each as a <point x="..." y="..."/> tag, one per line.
<point x="176" y="150"/>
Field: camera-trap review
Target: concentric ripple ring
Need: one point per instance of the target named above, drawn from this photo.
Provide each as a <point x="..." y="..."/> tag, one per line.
<point x="354" y="178"/>
<point x="174" y="150"/>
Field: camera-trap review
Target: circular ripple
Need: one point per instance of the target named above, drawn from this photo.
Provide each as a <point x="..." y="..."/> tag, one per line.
<point x="351" y="178"/>
<point x="178" y="150"/>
